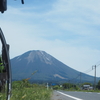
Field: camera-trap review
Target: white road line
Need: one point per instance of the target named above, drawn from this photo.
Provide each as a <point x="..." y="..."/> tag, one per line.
<point x="69" y="96"/>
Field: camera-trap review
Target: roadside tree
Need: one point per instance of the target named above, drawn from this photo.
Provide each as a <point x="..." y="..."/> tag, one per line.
<point x="98" y="85"/>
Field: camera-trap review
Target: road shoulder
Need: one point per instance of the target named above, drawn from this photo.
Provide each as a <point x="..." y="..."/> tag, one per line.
<point x="56" y="96"/>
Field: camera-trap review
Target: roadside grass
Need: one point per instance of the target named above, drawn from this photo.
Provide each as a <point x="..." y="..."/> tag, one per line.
<point x="74" y="89"/>
<point x="90" y="90"/>
<point x="23" y="90"/>
<point x="2" y="96"/>
<point x="81" y="90"/>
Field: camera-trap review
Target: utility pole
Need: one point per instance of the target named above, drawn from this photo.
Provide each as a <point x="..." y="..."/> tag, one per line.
<point x="94" y="76"/>
<point x="69" y="84"/>
<point x="80" y="78"/>
<point x="47" y="86"/>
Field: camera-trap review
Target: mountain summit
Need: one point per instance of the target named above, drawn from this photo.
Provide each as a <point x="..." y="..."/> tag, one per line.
<point x="47" y="68"/>
<point x="39" y="56"/>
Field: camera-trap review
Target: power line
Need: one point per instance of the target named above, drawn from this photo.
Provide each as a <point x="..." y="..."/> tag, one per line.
<point x="98" y="65"/>
<point x="75" y="77"/>
<point x="87" y="71"/>
<point x="91" y="69"/>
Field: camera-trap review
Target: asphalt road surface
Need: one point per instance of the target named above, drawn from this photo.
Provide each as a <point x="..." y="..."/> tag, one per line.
<point x="65" y="95"/>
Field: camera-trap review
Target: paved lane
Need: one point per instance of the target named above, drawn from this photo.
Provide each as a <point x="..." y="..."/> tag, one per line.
<point x="65" y="95"/>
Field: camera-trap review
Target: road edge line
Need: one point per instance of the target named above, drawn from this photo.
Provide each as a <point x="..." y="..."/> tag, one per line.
<point x="69" y="96"/>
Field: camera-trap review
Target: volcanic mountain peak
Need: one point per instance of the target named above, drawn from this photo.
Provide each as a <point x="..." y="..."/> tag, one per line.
<point x="35" y="55"/>
<point x="30" y="57"/>
<point x="48" y="68"/>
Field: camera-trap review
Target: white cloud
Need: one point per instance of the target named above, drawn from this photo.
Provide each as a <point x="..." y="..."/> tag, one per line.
<point x="76" y="16"/>
<point x="69" y="31"/>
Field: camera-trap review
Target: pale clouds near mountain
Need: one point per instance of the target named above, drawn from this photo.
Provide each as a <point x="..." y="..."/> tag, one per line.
<point x="66" y="29"/>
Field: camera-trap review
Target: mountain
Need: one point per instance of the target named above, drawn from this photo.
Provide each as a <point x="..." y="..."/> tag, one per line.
<point x="45" y="68"/>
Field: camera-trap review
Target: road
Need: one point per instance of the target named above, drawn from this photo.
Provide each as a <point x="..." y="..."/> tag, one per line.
<point x="65" y="95"/>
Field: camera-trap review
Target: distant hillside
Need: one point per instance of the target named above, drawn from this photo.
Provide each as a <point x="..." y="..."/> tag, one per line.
<point x="47" y="68"/>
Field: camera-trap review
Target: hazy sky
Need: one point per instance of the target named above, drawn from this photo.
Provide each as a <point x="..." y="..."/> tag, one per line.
<point x="69" y="30"/>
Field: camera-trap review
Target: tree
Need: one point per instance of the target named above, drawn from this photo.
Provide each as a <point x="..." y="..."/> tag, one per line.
<point x="98" y="85"/>
<point x="66" y="85"/>
<point x="70" y="86"/>
<point x="86" y="83"/>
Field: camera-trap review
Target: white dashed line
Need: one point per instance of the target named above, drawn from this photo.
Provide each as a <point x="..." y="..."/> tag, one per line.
<point x="69" y="96"/>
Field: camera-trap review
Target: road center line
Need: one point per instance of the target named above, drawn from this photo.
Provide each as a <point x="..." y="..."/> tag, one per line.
<point x="69" y="96"/>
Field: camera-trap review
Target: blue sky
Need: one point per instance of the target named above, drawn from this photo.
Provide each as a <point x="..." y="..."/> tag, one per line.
<point x="66" y="29"/>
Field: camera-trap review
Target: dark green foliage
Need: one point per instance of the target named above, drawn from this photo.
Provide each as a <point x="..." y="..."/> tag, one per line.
<point x="56" y="87"/>
<point x="87" y="83"/>
<point x="70" y="86"/>
<point x="66" y="85"/>
<point x="98" y="85"/>
<point x="1" y="65"/>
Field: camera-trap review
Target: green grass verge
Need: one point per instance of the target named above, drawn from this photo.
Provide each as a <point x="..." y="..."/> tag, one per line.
<point x="81" y="90"/>
<point x="26" y="91"/>
<point x="23" y="90"/>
